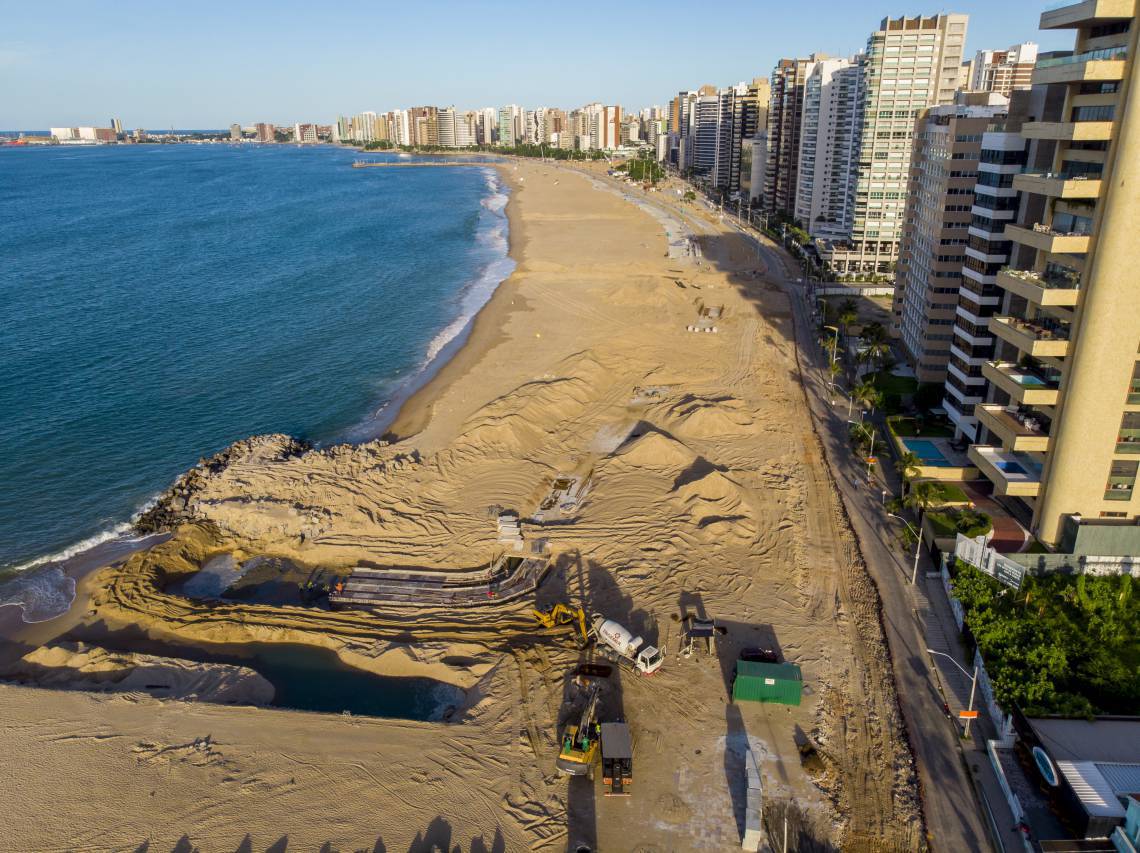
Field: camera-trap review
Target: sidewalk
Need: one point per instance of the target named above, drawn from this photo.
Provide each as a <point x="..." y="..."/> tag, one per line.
<point x="942" y="635"/>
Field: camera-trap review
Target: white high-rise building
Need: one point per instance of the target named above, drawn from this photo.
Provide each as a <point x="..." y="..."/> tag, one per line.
<point x="465" y="130"/>
<point x="488" y="123"/>
<point x="911" y="64"/>
<point x="364" y="127"/>
<point x="830" y="132"/>
<point x="604" y="125"/>
<point x="445" y="127"/>
<point x="402" y="128"/>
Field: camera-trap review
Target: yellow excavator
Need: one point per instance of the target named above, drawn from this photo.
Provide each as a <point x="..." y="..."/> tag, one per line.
<point x="562" y="614"/>
<point x="581" y="739"/>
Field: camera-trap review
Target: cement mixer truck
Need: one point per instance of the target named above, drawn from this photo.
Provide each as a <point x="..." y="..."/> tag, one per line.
<point x="620" y="644"/>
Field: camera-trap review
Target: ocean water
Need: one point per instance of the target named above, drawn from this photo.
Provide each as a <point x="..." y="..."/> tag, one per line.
<point x="161" y="302"/>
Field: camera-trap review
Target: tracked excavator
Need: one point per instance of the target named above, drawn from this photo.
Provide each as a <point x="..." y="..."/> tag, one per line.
<point x="562" y="614"/>
<point x="581" y="739"/>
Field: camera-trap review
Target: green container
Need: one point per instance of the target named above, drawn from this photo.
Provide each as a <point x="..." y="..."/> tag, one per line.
<point x="781" y="683"/>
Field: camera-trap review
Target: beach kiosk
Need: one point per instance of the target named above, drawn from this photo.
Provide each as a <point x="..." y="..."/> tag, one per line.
<point x="781" y="683"/>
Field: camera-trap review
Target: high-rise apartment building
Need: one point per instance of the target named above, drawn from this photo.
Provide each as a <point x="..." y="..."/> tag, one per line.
<point x="445" y="127"/>
<point x="830" y="130"/>
<point x="987" y="251"/>
<point x="1002" y="71"/>
<point x="117" y="126"/>
<point x="555" y="127"/>
<point x="510" y="124"/>
<point x="423" y="124"/>
<point x="911" y="64"/>
<point x="940" y="199"/>
<point x="363" y="127"/>
<point x="785" y="115"/>
<point x="265" y="132"/>
<point x="487" y="125"/>
<point x="465" y="129"/>
<point x="754" y="128"/>
<point x="716" y="126"/>
<point x="1060" y="428"/>
<point x="235" y="133"/>
<point x="605" y="126"/>
<point x="305" y="134"/>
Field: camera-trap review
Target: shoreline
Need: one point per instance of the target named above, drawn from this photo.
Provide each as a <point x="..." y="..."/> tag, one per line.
<point x="482" y="333"/>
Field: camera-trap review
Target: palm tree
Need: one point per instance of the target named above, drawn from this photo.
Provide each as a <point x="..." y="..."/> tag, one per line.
<point x="908" y="465"/>
<point x="834" y="368"/>
<point x="865" y="394"/>
<point x="846" y="318"/>
<point x="874" y="332"/>
<point x="878" y="350"/>
<point x="921" y="497"/>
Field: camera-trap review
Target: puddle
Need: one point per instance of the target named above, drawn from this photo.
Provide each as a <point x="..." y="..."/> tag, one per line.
<point x="308" y="678"/>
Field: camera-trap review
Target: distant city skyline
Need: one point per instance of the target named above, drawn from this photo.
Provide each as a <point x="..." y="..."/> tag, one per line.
<point x="206" y="66"/>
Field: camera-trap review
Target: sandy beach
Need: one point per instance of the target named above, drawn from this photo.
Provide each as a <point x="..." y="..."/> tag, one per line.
<point x="707" y="495"/>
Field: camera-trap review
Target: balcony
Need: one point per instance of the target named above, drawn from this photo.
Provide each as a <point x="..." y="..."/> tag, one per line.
<point x="1024" y="386"/>
<point x="1070" y="15"/>
<point x="1045" y="239"/>
<point x="1013" y="474"/>
<point x="1092" y="66"/>
<point x="1041" y="288"/>
<point x="1032" y="338"/>
<point x="1017" y="432"/>
<point x="1057" y="185"/>
<point x="1068" y="131"/>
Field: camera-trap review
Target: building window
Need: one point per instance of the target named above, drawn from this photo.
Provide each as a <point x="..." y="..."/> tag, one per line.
<point x="1098" y="88"/>
<point x="1128" y="441"/>
<point x="1121" y="479"/>
<point x="1134" y="386"/>
<point x="1096" y="113"/>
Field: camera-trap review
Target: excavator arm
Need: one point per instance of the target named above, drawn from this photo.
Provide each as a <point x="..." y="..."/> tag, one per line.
<point x="562" y="614"/>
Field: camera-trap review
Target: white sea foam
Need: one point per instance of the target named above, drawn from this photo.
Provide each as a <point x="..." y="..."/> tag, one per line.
<point x="42" y="594"/>
<point x="492" y="236"/>
<point x="117" y="532"/>
<point x="78" y="548"/>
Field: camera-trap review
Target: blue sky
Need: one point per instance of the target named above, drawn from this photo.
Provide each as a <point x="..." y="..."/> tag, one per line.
<point x="206" y="64"/>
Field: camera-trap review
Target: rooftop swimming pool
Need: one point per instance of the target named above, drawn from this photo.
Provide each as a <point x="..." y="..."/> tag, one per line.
<point x="1028" y="380"/>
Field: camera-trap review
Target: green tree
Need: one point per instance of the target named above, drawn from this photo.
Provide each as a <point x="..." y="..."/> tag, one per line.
<point x="908" y="465"/>
<point x="847" y="319"/>
<point x="877" y="350"/>
<point x="865" y="394"/>
<point x="921" y="497"/>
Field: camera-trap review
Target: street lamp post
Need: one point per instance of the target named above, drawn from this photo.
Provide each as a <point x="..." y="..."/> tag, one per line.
<point x="871" y="452"/>
<point x="830" y="380"/>
<point x="973" y="685"/>
<point x="917" y="545"/>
